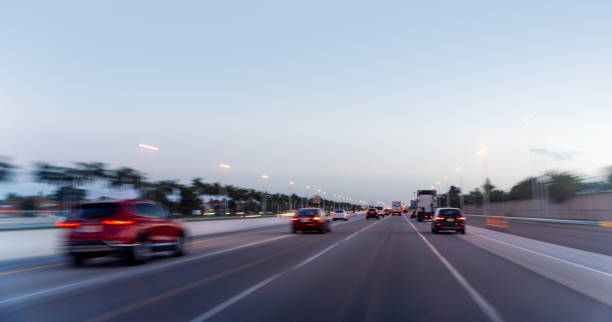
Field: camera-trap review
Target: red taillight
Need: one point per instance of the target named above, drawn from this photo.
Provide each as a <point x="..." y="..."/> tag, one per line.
<point x="67" y="224"/>
<point x="295" y="219"/>
<point x="438" y="218"/>
<point x="117" y="222"/>
<point x="462" y="218"/>
<point x="316" y="218"/>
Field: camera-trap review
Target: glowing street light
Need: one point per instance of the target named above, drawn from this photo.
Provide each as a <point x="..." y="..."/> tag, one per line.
<point x="148" y="147"/>
<point x="482" y="152"/>
<point x="224" y="166"/>
<point x="265" y="176"/>
<point x="291" y="183"/>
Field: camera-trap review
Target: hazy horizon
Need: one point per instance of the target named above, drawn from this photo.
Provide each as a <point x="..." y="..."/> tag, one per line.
<point x="367" y="100"/>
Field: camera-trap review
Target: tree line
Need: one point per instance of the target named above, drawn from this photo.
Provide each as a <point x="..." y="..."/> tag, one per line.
<point x="558" y="186"/>
<point x="72" y="182"/>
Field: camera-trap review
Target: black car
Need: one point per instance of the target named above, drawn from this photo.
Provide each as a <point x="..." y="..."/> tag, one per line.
<point x="380" y="211"/>
<point x="448" y="219"/>
<point x="372" y="213"/>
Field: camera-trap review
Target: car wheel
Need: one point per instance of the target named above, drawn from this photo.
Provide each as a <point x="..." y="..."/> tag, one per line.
<point x="78" y="260"/>
<point x="180" y="249"/>
<point x="419" y="220"/>
<point x="434" y="231"/>
<point x="463" y="231"/>
<point x="141" y="252"/>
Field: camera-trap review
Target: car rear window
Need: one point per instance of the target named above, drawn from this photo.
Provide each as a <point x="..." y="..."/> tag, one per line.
<point x="450" y="213"/>
<point x="96" y="210"/>
<point x="308" y="212"/>
<point x="339" y="211"/>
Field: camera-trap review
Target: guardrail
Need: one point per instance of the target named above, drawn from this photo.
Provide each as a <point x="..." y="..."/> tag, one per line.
<point x="501" y="220"/>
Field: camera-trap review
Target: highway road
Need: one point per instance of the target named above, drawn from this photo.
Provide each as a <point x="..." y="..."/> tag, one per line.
<point x="391" y="269"/>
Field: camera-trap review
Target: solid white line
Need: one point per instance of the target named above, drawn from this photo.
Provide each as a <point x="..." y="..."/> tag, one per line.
<point x="548" y="256"/>
<point x="484" y="305"/>
<point x="212" y="312"/>
<point x="130" y="273"/>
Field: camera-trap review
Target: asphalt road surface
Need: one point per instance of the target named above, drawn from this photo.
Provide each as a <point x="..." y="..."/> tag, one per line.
<point x="391" y="269"/>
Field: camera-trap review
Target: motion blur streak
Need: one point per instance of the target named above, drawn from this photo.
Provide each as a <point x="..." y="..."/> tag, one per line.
<point x="31" y="268"/>
<point x="108" y="278"/>
<point x="198" y="283"/>
<point x="486" y="307"/>
<point x="209" y="314"/>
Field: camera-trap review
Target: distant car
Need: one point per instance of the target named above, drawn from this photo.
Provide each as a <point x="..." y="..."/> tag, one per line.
<point x="311" y="219"/>
<point x="372" y="213"/>
<point x="339" y="215"/>
<point x="413" y="214"/>
<point x="133" y="229"/>
<point x="387" y="211"/>
<point x="381" y="211"/>
<point x="448" y="219"/>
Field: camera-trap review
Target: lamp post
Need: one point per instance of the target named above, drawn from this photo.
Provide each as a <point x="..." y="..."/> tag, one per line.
<point x="460" y="171"/>
<point x="448" y="192"/>
<point x="291" y="183"/>
<point x="264" y="177"/>
<point x="483" y="153"/>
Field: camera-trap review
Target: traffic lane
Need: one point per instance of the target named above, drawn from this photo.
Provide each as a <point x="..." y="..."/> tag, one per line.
<point x="29" y="275"/>
<point x="517" y="293"/>
<point x="99" y="299"/>
<point x="385" y="273"/>
<point x="36" y="263"/>
<point x="28" y="279"/>
<point x="592" y="239"/>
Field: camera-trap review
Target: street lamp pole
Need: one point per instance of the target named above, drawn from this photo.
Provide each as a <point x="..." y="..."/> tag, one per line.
<point x="223" y="167"/>
<point x="483" y="154"/>
<point x="264" y="177"/>
<point x="291" y="183"/>
<point x="460" y="170"/>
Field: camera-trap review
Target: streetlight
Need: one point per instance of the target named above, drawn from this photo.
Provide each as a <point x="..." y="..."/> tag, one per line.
<point x="483" y="153"/>
<point x="291" y="183"/>
<point x="222" y="206"/>
<point x="148" y="147"/>
<point x="264" y="177"/>
<point x="448" y="192"/>
<point x="460" y="171"/>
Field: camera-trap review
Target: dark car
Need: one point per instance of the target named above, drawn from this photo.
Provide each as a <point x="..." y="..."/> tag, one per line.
<point x="380" y="211"/>
<point x="132" y="229"/>
<point x="448" y="219"/>
<point x="413" y="214"/>
<point x="372" y="213"/>
<point x="310" y="219"/>
<point x="387" y="211"/>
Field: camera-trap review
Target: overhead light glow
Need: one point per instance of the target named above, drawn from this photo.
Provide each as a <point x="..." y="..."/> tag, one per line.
<point x="148" y="147"/>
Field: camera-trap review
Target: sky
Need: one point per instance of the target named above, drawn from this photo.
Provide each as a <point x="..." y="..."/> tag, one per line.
<point x="371" y="100"/>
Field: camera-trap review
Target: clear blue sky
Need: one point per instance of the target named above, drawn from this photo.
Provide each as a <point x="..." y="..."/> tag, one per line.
<point x="368" y="99"/>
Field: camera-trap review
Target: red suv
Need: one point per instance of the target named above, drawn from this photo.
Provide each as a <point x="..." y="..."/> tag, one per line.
<point x="129" y="228"/>
<point x="310" y="219"/>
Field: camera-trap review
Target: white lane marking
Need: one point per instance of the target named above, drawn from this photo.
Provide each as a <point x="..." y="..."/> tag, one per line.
<point x="133" y="272"/>
<point x="484" y="305"/>
<point x="212" y="312"/>
<point x="548" y="256"/>
<point x="129" y="273"/>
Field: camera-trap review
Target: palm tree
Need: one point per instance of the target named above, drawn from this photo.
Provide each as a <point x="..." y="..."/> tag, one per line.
<point x="91" y="172"/>
<point x="7" y="171"/>
<point x="124" y="176"/>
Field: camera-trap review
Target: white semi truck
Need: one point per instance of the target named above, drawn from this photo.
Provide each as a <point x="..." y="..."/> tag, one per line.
<point x="396" y="208"/>
<point x="425" y="203"/>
